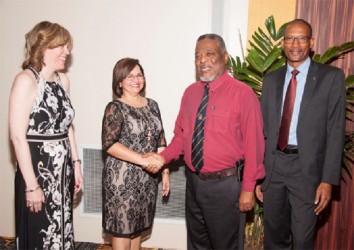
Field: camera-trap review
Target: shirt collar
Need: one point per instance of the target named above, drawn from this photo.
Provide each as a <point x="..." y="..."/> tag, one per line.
<point x="214" y="84"/>
<point x="303" y="68"/>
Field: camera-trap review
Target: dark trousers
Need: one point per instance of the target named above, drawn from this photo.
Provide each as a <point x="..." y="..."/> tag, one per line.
<point x="289" y="217"/>
<point x="214" y="220"/>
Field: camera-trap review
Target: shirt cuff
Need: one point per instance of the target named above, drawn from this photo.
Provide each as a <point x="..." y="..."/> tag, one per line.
<point x="168" y="157"/>
<point x="248" y="186"/>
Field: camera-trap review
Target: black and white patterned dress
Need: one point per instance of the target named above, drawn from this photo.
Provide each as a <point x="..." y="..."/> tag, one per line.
<point x="129" y="192"/>
<point x="49" y="121"/>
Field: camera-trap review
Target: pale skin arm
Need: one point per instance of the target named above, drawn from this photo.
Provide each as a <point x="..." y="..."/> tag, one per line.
<point x="22" y="96"/>
<point x="119" y="151"/>
<point x="165" y="177"/>
<point x="79" y="180"/>
<point x="74" y="154"/>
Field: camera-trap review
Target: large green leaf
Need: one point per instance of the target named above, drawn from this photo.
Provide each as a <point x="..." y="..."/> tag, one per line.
<point x="280" y="33"/>
<point x="270" y="24"/>
<point x="260" y="51"/>
<point x="255" y="60"/>
<point x="330" y="54"/>
<point x="271" y="58"/>
<point x="280" y="63"/>
<point x="261" y="42"/>
<point x="335" y="52"/>
<point x="266" y="38"/>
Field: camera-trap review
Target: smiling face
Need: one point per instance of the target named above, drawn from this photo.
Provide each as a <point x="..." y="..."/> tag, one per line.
<point x="297" y="51"/>
<point x="134" y="82"/>
<point x="55" y="58"/>
<point x="210" y="61"/>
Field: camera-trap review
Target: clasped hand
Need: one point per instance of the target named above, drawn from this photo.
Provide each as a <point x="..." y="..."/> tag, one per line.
<point x="152" y="162"/>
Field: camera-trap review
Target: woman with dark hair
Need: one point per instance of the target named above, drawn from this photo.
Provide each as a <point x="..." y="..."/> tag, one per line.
<point x="131" y="127"/>
<point x="48" y="168"/>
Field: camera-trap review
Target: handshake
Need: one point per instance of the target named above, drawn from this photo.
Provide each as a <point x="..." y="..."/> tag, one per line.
<point x="152" y="162"/>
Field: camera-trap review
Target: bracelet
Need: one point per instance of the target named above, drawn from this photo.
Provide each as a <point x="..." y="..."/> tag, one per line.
<point x="78" y="161"/>
<point x="31" y="190"/>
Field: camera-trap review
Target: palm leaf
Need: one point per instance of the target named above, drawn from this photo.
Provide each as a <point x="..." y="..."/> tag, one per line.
<point x="280" y="63"/>
<point x="270" y="24"/>
<point x="255" y="61"/>
<point x="280" y="33"/>
<point x="265" y="38"/>
<point x="335" y="52"/>
<point x="271" y="58"/>
<point x="261" y="42"/>
<point x="261" y="53"/>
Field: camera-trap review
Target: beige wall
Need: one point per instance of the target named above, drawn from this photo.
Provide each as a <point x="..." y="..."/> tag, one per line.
<point x="259" y="10"/>
<point x="160" y="33"/>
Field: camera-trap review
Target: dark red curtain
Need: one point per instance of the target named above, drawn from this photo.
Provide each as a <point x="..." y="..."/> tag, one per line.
<point x="333" y="24"/>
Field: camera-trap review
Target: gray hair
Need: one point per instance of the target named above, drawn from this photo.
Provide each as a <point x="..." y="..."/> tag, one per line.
<point x="214" y="37"/>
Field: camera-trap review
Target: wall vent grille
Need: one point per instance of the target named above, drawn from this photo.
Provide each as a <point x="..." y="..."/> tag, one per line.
<point x="91" y="204"/>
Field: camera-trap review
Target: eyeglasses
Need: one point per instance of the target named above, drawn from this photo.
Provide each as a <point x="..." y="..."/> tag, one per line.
<point x="131" y="78"/>
<point x="300" y="39"/>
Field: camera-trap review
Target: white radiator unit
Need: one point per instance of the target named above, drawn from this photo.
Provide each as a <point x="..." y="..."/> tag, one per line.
<point x="170" y="208"/>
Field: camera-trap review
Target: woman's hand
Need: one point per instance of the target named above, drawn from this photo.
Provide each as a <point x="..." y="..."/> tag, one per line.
<point x="35" y="198"/>
<point x="78" y="178"/>
<point x="165" y="182"/>
<point x="152" y="162"/>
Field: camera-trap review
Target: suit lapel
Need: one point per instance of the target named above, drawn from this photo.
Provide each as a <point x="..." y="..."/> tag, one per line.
<point x="279" y="92"/>
<point x="310" y="85"/>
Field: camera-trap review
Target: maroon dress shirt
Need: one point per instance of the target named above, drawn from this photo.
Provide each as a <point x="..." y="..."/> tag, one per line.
<point x="233" y="129"/>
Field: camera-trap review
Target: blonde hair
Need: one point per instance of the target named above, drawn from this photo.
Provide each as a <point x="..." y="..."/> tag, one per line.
<point x="45" y="35"/>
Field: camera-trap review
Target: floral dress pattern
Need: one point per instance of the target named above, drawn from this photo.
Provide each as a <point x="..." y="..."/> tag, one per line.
<point x="49" y="121"/>
<point x="129" y="192"/>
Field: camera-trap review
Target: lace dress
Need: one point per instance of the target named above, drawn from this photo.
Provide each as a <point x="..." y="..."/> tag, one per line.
<point x="49" y="121"/>
<point x="129" y="192"/>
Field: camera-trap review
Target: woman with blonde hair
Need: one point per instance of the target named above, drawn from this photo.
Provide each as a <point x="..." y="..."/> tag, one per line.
<point x="48" y="167"/>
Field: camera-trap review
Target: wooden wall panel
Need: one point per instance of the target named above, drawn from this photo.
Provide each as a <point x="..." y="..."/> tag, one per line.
<point x="260" y="10"/>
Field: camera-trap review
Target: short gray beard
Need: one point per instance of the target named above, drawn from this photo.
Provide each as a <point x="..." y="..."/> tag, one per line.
<point x="212" y="78"/>
<point x="207" y="79"/>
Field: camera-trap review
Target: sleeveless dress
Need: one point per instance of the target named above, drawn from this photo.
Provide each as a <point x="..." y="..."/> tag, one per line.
<point x="129" y="192"/>
<point x="49" y="121"/>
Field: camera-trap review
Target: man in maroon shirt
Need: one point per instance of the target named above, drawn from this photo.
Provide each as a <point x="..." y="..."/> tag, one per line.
<point x="216" y="199"/>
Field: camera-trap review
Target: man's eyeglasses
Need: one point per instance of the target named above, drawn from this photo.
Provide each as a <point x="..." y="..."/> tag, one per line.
<point x="300" y="39"/>
<point x="130" y="78"/>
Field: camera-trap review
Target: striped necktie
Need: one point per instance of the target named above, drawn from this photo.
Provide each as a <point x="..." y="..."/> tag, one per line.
<point x="198" y="134"/>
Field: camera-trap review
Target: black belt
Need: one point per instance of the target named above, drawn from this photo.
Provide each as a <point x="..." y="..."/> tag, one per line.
<point x="290" y="149"/>
<point x="236" y="170"/>
<point x="46" y="137"/>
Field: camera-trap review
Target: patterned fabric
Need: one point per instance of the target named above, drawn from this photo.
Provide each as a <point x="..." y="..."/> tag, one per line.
<point x="198" y="134"/>
<point x="129" y="192"/>
<point x="49" y="121"/>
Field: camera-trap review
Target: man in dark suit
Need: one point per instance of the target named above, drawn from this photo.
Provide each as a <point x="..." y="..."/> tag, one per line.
<point x="304" y="141"/>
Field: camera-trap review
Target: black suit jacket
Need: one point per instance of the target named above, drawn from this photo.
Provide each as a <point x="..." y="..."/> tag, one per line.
<point x="321" y="124"/>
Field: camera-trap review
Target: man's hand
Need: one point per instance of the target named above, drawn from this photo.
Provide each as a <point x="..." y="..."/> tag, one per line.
<point x="246" y="201"/>
<point x="153" y="162"/>
<point x="323" y="196"/>
<point x="259" y="193"/>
